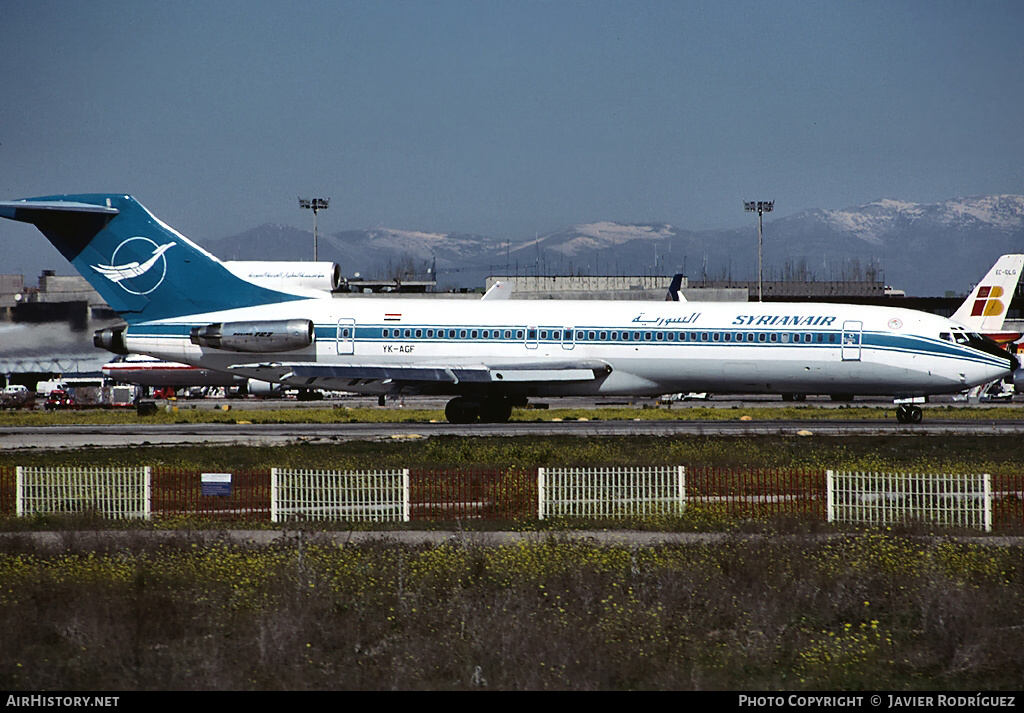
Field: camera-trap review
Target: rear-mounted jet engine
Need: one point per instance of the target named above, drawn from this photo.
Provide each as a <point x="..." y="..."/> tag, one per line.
<point x="283" y="335"/>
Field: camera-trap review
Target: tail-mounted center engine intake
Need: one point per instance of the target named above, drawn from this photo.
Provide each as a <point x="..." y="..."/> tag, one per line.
<point x="111" y="339"/>
<point x="282" y="335"/>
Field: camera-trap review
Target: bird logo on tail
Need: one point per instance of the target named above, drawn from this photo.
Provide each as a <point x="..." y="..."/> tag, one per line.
<point x="126" y="274"/>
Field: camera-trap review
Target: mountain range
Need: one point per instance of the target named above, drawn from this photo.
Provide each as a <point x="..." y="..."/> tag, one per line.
<point x="925" y="249"/>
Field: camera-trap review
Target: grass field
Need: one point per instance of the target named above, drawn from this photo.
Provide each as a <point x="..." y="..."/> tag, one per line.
<point x="873" y="612"/>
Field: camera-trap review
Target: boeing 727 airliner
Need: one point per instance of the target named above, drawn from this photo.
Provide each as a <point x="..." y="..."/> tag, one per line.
<point x="181" y="304"/>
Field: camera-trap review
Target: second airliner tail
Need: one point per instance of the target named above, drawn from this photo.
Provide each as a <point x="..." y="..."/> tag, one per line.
<point x="985" y="308"/>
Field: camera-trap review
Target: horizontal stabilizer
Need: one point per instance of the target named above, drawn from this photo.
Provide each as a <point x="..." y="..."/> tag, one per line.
<point x="28" y="210"/>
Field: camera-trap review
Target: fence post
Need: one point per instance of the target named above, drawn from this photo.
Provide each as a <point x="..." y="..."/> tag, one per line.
<point x="681" y="475"/>
<point x="540" y="493"/>
<point x="148" y="493"/>
<point x="830" y="513"/>
<point x="405" y="495"/>
<point x="273" y="495"/>
<point x="988" y="502"/>
<point x="19" y="492"/>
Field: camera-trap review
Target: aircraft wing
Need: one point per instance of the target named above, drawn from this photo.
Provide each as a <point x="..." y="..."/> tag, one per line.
<point x="426" y="375"/>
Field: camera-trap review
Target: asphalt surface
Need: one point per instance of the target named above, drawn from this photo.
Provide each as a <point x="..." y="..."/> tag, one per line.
<point x="142" y="433"/>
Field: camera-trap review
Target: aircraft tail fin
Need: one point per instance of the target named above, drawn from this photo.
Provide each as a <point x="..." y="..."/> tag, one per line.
<point x="498" y="291"/>
<point x="675" y="289"/>
<point x="141" y="267"/>
<point x="985" y="308"/>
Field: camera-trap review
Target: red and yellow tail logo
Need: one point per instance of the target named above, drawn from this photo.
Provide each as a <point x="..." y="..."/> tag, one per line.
<point x="986" y="304"/>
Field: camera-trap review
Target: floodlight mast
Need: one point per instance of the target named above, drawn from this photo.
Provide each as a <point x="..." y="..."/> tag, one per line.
<point x="316" y="205"/>
<point x="761" y="207"/>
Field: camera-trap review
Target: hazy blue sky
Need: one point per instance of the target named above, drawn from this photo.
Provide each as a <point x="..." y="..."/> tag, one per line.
<point x="503" y="118"/>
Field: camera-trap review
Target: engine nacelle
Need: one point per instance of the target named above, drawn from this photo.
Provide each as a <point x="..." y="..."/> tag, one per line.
<point x="111" y="339"/>
<point x="263" y="389"/>
<point x="322" y="276"/>
<point x="283" y="335"/>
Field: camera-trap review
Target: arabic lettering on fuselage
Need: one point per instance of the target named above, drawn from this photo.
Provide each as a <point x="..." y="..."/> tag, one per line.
<point x="664" y="321"/>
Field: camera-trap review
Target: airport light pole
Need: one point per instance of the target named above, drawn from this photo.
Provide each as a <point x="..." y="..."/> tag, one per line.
<point x="316" y="205"/>
<point x="761" y="207"/>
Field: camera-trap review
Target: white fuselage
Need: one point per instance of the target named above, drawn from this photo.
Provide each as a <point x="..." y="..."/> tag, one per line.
<point x="649" y="348"/>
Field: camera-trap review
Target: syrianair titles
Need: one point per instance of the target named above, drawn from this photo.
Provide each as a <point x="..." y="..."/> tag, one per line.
<point x="183" y="305"/>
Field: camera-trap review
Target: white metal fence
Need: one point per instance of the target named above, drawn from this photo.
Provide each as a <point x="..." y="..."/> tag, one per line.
<point x="888" y="498"/>
<point x="610" y="492"/>
<point x="859" y="498"/>
<point x="372" y="495"/>
<point x="111" y="492"/>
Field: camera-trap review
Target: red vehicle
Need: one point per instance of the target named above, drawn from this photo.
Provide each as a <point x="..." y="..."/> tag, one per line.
<point x="59" y="398"/>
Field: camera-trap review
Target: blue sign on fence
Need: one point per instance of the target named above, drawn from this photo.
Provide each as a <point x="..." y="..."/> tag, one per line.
<point x="216" y="483"/>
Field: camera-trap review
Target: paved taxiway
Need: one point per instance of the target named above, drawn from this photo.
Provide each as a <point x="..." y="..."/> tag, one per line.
<point x="142" y="433"/>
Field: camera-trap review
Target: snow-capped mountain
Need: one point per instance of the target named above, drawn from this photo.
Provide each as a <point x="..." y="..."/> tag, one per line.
<point x="926" y="249"/>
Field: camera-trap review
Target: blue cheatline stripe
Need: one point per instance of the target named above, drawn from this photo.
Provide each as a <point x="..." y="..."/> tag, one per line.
<point x="374" y="333"/>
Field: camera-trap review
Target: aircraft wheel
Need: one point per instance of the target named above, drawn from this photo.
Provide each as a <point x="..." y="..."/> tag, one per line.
<point x="907" y="413"/>
<point x="496" y="410"/>
<point x="459" y="410"/>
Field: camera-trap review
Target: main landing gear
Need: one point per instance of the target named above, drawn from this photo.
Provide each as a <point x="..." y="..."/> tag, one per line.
<point x="493" y="409"/>
<point x="908" y="413"/>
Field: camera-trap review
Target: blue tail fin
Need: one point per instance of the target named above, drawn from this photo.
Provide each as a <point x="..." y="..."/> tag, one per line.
<point x="144" y="269"/>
